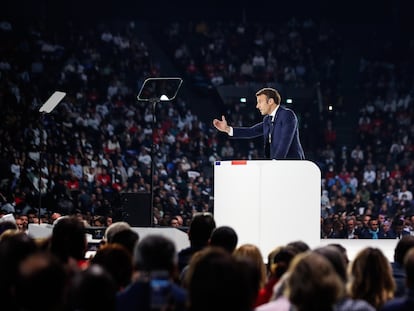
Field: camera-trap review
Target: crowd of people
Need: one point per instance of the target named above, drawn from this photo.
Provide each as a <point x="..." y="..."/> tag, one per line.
<point x="97" y="143"/>
<point x="214" y="272"/>
<point x="368" y="189"/>
<point x="367" y="186"/>
<point x="290" y="51"/>
<point x="71" y="167"/>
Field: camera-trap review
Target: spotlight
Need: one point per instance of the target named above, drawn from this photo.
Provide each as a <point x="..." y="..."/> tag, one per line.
<point x="164" y="97"/>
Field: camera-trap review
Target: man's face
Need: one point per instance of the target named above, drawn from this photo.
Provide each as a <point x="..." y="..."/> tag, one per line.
<point x="327" y="227"/>
<point x="109" y="221"/>
<point x="264" y="104"/>
<point x="174" y="223"/>
<point x="373" y="225"/>
<point x="19" y="224"/>
<point x="25" y="220"/>
<point x="54" y="216"/>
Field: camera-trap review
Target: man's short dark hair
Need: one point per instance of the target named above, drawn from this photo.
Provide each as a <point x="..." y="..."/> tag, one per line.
<point x="270" y="93"/>
<point x="300" y="246"/>
<point x="68" y="238"/>
<point x="402" y="248"/>
<point x="225" y="237"/>
<point x="201" y="227"/>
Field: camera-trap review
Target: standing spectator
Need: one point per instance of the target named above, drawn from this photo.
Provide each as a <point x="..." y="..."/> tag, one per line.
<point x="371" y="277"/>
<point x="117" y="260"/>
<point x="278" y="262"/>
<point x="405" y="302"/>
<point x="225" y="237"/>
<point x="92" y="289"/>
<point x="37" y="274"/>
<point x="313" y="283"/>
<point x="252" y="253"/>
<point x="154" y="253"/>
<point x="68" y="242"/>
<point x="14" y="249"/>
<point x="401" y="249"/>
<point x="201" y="227"/>
<point x="217" y="281"/>
<point x="339" y="262"/>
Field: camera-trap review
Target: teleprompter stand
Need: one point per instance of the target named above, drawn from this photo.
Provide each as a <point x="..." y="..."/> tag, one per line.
<point x="47" y="107"/>
<point x="155" y="90"/>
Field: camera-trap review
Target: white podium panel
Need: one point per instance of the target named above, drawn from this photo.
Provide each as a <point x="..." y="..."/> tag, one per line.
<point x="269" y="203"/>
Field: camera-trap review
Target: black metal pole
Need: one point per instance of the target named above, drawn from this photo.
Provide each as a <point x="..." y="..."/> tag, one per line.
<point x="154" y="103"/>
<point x="40" y="166"/>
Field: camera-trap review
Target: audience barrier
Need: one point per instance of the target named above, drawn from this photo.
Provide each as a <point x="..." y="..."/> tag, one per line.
<point x="179" y="237"/>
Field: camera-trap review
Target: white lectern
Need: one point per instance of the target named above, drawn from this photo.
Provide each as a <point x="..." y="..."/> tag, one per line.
<point x="268" y="202"/>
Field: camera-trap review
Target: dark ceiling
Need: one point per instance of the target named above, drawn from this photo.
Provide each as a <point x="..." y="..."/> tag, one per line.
<point x="341" y="11"/>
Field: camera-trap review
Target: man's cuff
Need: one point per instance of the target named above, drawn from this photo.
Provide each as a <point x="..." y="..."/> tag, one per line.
<point x="231" y="131"/>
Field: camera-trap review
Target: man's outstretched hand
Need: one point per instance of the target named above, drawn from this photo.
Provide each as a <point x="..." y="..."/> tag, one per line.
<point x="221" y="125"/>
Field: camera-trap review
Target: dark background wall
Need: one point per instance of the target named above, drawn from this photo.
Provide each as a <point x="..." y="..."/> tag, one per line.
<point x="342" y="11"/>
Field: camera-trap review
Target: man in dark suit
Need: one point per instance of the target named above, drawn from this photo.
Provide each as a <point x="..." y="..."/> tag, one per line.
<point x="405" y="302"/>
<point x="279" y="127"/>
<point x="155" y="286"/>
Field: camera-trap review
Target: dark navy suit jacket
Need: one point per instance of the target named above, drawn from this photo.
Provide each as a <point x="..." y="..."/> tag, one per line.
<point x="285" y="143"/>
<point x="405" y="303"/>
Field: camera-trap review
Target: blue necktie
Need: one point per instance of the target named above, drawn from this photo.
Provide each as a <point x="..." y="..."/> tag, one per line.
<point x="270" y="122"/>
<point x="268" y="136"/>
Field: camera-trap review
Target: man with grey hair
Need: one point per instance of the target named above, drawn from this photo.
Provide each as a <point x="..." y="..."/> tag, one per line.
<point x="155" y="288"/>
<point x="115" y="228"/>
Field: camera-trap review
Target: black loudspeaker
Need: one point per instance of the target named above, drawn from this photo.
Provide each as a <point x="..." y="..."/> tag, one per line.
<point x="137" y="209"/>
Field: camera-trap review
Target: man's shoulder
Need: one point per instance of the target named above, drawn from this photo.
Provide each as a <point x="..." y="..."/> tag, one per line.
<point x="399" y="304"/>
<point x="134" y="297"/>
<point x="283" y="109"/>
<point x="354" y="305"/>
<point x="397" y="269"/>
<point x="285" y="112"/>
<point x="185" y="251"/>
<point x="133" y="289"/>
<point x="179" y="293"/>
